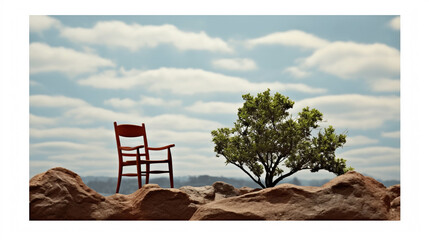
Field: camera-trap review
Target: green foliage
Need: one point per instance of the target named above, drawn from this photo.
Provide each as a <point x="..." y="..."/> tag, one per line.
<point x="265" y="138"/>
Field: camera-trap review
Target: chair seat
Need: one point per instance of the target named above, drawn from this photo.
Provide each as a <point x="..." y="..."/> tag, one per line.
<point x="144" y="173"/>
<point x="134" y="162"/>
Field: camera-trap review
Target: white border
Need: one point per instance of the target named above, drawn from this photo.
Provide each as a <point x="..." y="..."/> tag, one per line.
<point x="14" y="113"/>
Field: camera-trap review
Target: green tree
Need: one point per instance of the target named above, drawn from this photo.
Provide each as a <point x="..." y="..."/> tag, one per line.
<point x="266" y="138"/>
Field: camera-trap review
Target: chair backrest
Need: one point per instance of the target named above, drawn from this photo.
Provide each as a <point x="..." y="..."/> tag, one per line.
<point x="129" y="131"/>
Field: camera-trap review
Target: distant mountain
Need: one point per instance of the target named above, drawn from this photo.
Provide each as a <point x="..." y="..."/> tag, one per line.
<point x="107" y="185"/>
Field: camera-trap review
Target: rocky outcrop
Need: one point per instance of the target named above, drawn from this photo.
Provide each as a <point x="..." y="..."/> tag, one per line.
<point x="60" y="194"/>
<point x="351" y="196"/>
<point x="217" y="191"/>
<point x="395" y="204"/>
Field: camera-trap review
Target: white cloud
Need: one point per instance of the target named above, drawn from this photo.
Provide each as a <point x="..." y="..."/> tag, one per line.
<point x="385" y="85"/>
<point x="354" y="111"/>
<point x="41" y="121"/>
<point x="40" y="23"/>
<point x="374" y="156"/>
<point x="181" y="122"/>
<point x="44" y="58"/>
<point x="395" y="134"/>
<point x="72" y="133"/>
<point x="78" y="157"/>
<point x="383" y="172"/>
<point x="299" y="87"/>
<point x="293" y="38"/>
<point x="145" y="100"/>
<point x="60" y="146"/>
<point x="360" y="140"/>
<point x="379" y="161"/>
<point x="135" y="36"/>
<point x="235" y="64"/>
<point x="297" y="72"/>
<point x="395" y="23"/>
<point x="80" y="112"/>
<point x="120" y="103"/>
<point x="349" y="60"/>
<point x="376" y="63"/>
<point x="214" y="107"/>
<point x="55" y="101"/>
<point x="89" y="114"/>
<point x="185" y="81"/>
<point x="183" y="137"/>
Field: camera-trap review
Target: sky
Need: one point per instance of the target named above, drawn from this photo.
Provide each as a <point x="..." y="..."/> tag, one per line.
<point x="183" y="76"/>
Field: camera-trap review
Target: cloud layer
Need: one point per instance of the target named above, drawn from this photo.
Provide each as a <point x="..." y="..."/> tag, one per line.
<point x="354" y="111"/>
<point x="135" y="36"/>
<point x="235" y="64"/>
<point x="185" y="82"/>
<point x="349" y="60"/>
<point x="40" y="23"/>
<point x="292" y="38"/>
<point x="377" y="64"/>
<point x="44" y="58"/>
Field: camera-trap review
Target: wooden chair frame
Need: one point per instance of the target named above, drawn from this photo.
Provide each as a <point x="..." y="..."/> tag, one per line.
<point x="132" y="131"/>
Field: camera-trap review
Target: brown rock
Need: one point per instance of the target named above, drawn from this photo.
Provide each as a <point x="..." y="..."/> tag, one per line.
<point x="224" y="190"/>
<point x="218" y="190"/>
<point x="157" y="203"/>
<point x="395" y="209"/>
<point x="396" y="203"/>
<point x="244" y="190"/>
<point x="60" y="194"/>
<point x="199" y="195"/>
<point x="395" y="190"/>
<point x="350" y="196"/>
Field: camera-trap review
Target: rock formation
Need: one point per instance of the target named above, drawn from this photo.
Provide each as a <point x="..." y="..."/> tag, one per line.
<point x="351" y="196"/>
<point x="60" y="194"/>
<point x="219" y="190"/>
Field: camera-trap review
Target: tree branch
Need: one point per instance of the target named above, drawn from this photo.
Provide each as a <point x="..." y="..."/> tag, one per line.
<point x="280" y="159"/>
<point x="262" y="161"/>
<point x="285" y="176"/>
<point x="245" y="171"/>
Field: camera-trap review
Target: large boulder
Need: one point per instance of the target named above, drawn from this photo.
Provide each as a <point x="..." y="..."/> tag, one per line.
<point x="60" y="194"/>
<point x="351" y="196"/>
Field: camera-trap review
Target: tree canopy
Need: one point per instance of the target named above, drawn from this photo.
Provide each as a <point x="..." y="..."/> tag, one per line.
<point x="267" y="139"/>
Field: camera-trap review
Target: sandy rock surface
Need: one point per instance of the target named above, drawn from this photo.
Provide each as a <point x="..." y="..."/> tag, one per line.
<point x="60" y="194"/>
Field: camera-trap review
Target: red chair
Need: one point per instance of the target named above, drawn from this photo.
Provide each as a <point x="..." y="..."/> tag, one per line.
<point x="133" y="131"/>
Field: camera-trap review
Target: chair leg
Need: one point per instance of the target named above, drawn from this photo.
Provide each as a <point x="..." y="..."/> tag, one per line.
<point x="147" y="172"/>
<point x="139" y="175"/>
<point x="139" y="169"/>
<point x="118" y="185"/>
<point x="170" y="169"/>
